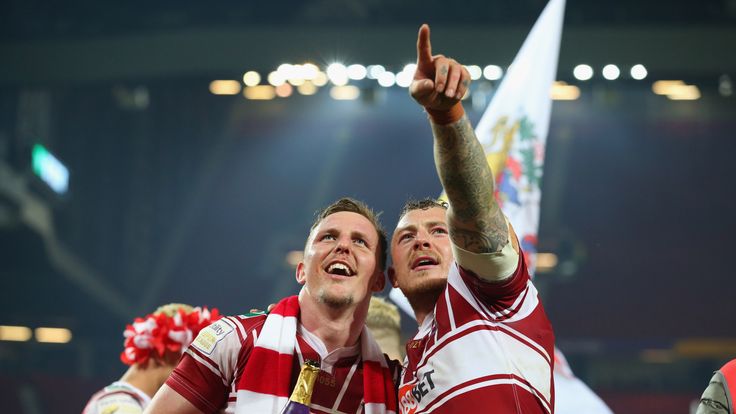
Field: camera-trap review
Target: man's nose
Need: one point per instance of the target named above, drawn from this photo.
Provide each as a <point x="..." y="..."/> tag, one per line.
<point x="342" y="245"/>
<point x="422" y="241"/>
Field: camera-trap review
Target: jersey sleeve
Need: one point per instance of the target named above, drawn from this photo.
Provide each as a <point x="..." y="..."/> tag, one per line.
<point x="207" y="370"/>
<point x="498" y="294"/>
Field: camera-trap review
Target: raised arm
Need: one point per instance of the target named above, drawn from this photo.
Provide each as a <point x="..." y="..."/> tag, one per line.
<point x="475" y="220"/>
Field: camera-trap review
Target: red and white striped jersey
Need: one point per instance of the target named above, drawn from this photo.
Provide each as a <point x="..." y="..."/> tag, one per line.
<point x="488" y="347"/>
<point x="208" y="374"/>
<point x="118" y="397"/>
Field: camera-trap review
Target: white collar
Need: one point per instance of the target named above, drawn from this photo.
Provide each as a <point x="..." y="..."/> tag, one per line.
<point x="426" y="327"/>
<point x="328" y="359"/>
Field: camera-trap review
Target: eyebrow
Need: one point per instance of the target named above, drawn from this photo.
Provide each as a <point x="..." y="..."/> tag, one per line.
<point x="353" y="233"/>
<point x="428" y="224"/>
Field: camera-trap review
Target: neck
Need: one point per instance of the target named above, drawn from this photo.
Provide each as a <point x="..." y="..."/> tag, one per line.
<point x="148" y="379"/>
<point x="423" y="303"/>
<point x="337" y="327"/>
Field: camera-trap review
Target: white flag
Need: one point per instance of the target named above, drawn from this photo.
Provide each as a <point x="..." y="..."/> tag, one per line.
<point x="513" y="133"/>
<point x="513" y="130"/>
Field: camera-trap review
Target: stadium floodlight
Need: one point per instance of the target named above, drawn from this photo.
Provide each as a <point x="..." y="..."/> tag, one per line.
<point x="387" y="79"/>
<point x="611" y="72"/>
<point x="357" y="72"/>
<point x="638" y="72"/>
<point x="338" y="74"/>
<point x="583" y="72"/>
<point x="492" y="72"/>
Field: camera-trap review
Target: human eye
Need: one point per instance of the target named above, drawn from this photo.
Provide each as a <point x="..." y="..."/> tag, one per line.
<point x="360" y="241"/>
<point x="328" y="236"/>
<point x="439" y="230"/>
<point x="406" y="236"/>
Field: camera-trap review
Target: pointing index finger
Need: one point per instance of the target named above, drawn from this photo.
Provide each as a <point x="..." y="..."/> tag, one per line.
<point x="424" y="47"/>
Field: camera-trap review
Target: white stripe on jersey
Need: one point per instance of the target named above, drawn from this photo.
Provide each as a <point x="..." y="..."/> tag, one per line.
<point x="450" y="314"/>
<point x="235" y="322"/>
<point x="272" y="333"/>
<point x="528" y="340"/>
<point x="261" y="403"/>
<point x="373" y="408"/>
<point x="530" y="297"/>
<point x="325" y="409"/>
<point x="461" y="352"/>
<point x="344" y="389"/>
<point x="499" y="381"/>
<point x="207" y="365"/>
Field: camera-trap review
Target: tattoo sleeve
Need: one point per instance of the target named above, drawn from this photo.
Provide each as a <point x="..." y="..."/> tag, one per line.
<point x="475" y="220"/>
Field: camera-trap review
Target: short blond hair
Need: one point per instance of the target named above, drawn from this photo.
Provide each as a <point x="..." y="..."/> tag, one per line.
<point x="172" y="309"/>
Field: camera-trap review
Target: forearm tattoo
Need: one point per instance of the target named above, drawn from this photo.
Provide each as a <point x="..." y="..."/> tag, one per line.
<point x="476" y="221"/>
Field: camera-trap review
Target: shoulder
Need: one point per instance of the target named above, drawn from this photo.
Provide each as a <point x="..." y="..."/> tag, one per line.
<point x="228" y="334"/>
<point x="115" y="400"/>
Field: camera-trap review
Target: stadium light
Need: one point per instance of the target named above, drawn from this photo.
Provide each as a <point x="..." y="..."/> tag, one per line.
<point x="225" y="87"/>
<point x="357" y="72"/>
<point x="386" y="79"/>
<point x="337" y="73"/>
<point x="611" y="72"/>
<point x="492" y="72"/>
<point x="583" y="72"/>
<point x="638" y="72"/>
<point x="15" y="333"/>
<point x="251" y="78"/>
<point x="53" y="335"/>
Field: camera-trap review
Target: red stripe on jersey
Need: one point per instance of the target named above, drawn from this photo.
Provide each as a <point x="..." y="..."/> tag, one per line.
<point x="506" y="313"/>
<point x="277" y="365"/>
<point x="498" y="295"/>
<point x="205" y="390"/>
<point x="505" y="396"/>
<point x="482" y="327"/>
<point x="237" y="326"/>
<point x="375" y="392"/>
<point x="209" y="361"/>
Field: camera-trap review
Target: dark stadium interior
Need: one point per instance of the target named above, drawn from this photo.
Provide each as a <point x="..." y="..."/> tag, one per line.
<point x="177" y="194"/>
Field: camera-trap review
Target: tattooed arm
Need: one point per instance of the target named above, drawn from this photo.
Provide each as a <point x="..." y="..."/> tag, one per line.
<point x="475" y="220"/>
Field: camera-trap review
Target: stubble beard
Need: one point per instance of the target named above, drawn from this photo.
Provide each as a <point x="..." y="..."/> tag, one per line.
<point x="334" y="301"/>
<point x="425" y="292"/>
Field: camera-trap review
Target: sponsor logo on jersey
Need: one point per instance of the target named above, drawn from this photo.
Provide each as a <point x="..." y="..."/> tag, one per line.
<point x="411" y="395"/>
<point x="208" y="337"/>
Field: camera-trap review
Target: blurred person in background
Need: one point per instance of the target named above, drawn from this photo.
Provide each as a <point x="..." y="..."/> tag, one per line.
<point x="484" y="340"/>
<point x="153" y="346"/>
<point x="384" y="322"/>
<point x="250" y="364"/>
<point x="719" y="396"/>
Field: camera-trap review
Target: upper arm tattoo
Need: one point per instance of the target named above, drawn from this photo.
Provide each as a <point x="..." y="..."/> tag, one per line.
<point x="475" y="219"/>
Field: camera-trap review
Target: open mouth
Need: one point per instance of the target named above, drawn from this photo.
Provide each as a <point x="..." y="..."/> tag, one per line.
<point x="423" y="261"/>
<point x="339" y="269"/>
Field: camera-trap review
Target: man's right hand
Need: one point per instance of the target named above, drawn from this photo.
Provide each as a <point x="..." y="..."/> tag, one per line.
<point x="439" y="82"/>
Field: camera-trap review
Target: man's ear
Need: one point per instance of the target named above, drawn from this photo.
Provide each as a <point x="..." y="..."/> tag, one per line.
<point x="300" y="276"/>
<point x="379" y="283"/>
<point x="392" y="277"/>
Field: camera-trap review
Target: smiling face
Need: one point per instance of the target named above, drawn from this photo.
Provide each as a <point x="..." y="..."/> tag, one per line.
<point x="421" y="254"/>
<point x="341" y="261"/>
